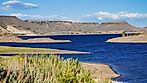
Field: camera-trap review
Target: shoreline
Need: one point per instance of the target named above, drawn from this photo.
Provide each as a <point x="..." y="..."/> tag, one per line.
<point x="13" y="38"/>
<point x="117" y="75"/>
<point x="98" y="71"/>
<point x="110" y="72"/>
<point x="35" y="40"/>
<point x="72" y="34"/>
<point x="129" y="39"/>
<point x="56" y="41"/>
<point x="101" y="71"/>
<point x="25" y="50"/>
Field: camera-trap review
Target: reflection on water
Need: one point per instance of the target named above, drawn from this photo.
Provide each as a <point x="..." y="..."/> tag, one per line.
<point x="130" y="60"/>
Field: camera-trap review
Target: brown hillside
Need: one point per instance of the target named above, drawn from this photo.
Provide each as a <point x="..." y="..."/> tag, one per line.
<point x="79" y="27"/>
<point x="17" y="23"/>
<point x="64" y="27"/>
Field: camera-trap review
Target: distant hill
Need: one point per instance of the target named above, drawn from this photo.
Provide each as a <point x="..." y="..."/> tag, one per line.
<point x="145" y="29"/>
<point x="65" y="27"/>
<point x="12" y="24"/>
<point x="61" y="27"/>
<point x="110" y="26"/>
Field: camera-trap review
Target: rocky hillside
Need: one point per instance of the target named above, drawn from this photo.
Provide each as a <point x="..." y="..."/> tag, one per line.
<point x="107" y="27"/>
<point x="65" y="27"/>
<point x="12" y="24"/>
<point x="8" y="37"/>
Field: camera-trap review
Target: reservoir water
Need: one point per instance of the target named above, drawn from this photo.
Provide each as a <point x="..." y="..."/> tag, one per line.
<point x="130" y="60"/>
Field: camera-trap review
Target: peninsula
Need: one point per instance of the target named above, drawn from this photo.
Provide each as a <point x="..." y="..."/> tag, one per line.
<point x="142" y="38"/>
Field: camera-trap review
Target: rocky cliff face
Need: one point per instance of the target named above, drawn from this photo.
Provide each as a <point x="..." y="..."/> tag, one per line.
<point x="64" y="27"/>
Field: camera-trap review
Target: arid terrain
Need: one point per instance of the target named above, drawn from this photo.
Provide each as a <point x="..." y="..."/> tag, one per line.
<point x="4" y="37"/>
<point x="142" y="38"/>
<point x="11" y="27"/>
<point x="14" y="25"/>
<point x="100" y="71"/>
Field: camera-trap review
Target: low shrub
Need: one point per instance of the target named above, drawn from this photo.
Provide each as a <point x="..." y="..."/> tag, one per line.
<point x="42" y="69"/>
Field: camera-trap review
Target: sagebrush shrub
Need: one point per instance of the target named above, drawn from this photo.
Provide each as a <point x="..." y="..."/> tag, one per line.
<point x="42" y="69"/>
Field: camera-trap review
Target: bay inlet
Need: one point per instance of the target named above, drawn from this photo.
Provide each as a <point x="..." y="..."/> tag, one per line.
<point x="127" y="59"/>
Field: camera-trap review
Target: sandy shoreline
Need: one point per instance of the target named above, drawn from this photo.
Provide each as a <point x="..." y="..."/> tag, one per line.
<point x="26" y="41"/>
<point x="75" y="34"/>
<point x="130" y="39"/>
<point x="12" y="38"/>
<point x="101" y="71"/>
<point x="34" y="40"/>
<point x="44" y="40"/>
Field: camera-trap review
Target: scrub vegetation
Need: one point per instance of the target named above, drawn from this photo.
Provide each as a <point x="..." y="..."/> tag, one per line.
<point x="43" y="69"/>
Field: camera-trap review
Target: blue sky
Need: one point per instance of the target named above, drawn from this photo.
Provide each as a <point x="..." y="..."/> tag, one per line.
<point x="132" y="11"/>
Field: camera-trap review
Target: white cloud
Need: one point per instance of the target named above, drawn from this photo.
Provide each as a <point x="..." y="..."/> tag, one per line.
<point x="40" y="17"/>
<point x="99" y="18"/>
<point x="19" y="15"/>
<point x="96" y="17"/>
<point x="6" y="8"/>
<point x="120" y="15"/>
<point x="26" y="16"/>
<point x="15" y="4"/>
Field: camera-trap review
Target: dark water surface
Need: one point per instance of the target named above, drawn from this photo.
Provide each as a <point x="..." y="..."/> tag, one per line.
<point x="130" y="60"/>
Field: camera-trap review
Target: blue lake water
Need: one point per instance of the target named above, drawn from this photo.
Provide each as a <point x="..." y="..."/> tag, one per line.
<point x="130" y="60"/>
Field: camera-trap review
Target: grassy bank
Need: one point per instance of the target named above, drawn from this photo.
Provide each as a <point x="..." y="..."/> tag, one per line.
<point x="25" y="50"/>
<point x="44" y="69"/>
<point x="21" y="49"/>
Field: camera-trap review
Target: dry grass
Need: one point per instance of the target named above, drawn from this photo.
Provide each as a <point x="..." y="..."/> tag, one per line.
<point x="24" y="50"/>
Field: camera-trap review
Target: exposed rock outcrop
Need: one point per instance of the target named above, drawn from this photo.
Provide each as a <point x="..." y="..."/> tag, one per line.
<point x="3" y="30"/>
<point x="13" y="30"/>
